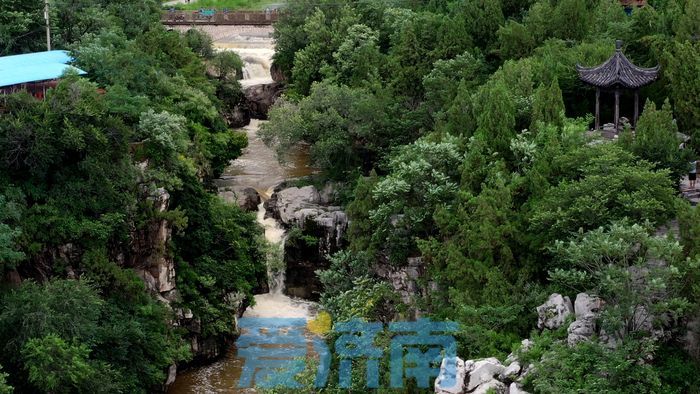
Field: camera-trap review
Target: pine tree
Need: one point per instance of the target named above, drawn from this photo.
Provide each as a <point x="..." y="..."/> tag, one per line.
<point x="547" y="106"/>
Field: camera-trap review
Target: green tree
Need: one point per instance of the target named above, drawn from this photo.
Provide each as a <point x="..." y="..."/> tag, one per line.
<point x="547" y="106"/>
<point x="482" y="19"/>
<point x="621" y="264"/>
<point x="21" y="26"/>
<point x="348" y="128"/>
<point x="683" y="66"/>
<point x="228" y="64"/>
<point x="515" y="40"/>
<point x="604" y="184"/>
<point x="495" y="117"/>
<point x="4" y="387"/>
<point x="357" y="60"/>
<point x="60" y="367"/>
<point x="593" y="367"/>
<point x="10" y="214"/>
<point x="688" y="25"/>
<point x="422" y="177"/>
<point x="656" y="140"/>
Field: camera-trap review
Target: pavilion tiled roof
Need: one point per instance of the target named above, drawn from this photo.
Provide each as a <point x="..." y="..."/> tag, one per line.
<point x="618" y="71"/>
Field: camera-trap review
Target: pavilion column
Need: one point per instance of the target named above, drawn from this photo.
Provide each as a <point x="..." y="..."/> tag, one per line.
<point x="597" y="108"/>
<point x="617" y="110"/>
<point x="636" y="107"/>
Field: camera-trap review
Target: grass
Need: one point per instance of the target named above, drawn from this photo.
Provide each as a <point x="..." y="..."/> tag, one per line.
<point x="231" y="5"/>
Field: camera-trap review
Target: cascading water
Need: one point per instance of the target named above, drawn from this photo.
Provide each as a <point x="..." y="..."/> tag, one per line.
<point x="258" y="168"/>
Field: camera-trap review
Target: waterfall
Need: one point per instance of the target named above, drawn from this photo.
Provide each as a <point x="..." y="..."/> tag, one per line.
<point x="275" y="236"/>
<point x="256" y="65"/>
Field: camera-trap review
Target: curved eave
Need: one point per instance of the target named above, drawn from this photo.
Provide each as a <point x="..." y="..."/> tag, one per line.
<point x="618" y="71"/>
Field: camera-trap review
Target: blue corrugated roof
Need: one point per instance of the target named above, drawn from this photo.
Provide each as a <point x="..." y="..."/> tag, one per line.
<point x="33" y="67"/>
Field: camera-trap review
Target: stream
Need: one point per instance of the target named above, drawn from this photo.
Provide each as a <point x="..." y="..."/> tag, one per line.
<point x="258" y="168"/>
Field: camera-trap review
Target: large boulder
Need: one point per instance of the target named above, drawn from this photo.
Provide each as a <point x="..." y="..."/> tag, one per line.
<point x="451" y="377"/>
<point x="319" y="231"/>
<point x="259" y="98"/>
<point x="581" y="330"/>
<point x="482" y="372"/>
<point x="584" y="327"/>
<point x="238" y="116"/>
<point x="248" y="199"/>
<point x="587" y="305"/>
<point x="553" y="313"/>
<point x="511" y="373"/>
<point x="284" y="204"/>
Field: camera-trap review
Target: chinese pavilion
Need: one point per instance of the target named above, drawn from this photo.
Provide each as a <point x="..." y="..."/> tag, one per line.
<point x="616" y="74"/>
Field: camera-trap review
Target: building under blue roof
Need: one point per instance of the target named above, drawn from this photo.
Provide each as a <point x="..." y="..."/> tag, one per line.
<point x="34" y="67"/>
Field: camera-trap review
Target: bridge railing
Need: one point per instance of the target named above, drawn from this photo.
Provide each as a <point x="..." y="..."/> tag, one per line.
<point x="217" y="17"/>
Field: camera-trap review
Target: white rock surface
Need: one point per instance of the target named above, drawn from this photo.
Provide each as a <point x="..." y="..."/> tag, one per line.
<point x="483" y="371"/>
<point x="581" y="330"/>
<point x="495" y="385"/>
<point x="452" y="376"/>
<point x="586" y="305"/>
<point x="516" y="389"/>
<point x="293" y="199"/>
<point x="511" y="372"/>
<point x="553" y="313"/>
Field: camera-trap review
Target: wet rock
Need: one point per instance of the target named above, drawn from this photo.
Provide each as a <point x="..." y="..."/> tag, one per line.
<point x="276" y="73"/>
<point x="248" y="199"/>
<point x="237" y="117"/>
<point x="172" y="374"/>
<point x="260" y="98"/>
<point x="451" y="377"/>
<point x="553" y="313"/>
<point x="317" y="231"/>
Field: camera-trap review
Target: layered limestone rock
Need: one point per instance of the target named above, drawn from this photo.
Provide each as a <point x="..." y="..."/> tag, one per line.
<point x="405" y="280"/>
<point x="156" y="268"/>
<point x="317" y="228"/>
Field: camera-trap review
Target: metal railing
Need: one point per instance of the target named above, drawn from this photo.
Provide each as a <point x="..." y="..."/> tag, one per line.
<point x="219" y="17"/>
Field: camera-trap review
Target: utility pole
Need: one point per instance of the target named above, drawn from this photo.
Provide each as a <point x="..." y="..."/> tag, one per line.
<point x="47" y="17"/>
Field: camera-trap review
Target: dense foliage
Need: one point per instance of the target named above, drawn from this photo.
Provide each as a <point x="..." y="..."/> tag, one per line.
<point x="461" y="128"/>
<point x="92" y="180"/>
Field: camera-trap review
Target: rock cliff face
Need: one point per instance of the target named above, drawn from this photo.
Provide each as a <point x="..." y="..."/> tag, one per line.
<point x="317" y="229"/>
<point x="406" y="281"/>
<point x="154" y="264"/>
